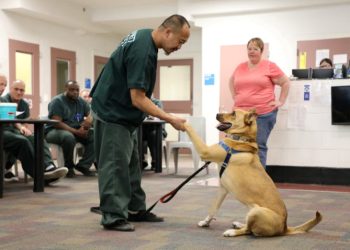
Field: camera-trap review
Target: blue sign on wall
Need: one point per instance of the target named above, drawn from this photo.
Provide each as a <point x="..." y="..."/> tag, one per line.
<point x="306" y="92"/>
<point x="87" y="83"/>
<point x="209" y="79"/>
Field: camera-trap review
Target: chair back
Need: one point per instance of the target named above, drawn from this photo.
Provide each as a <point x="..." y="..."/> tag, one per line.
<point x="198" y="124"/>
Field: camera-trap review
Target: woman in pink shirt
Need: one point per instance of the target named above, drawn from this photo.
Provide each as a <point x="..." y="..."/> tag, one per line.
<point x="252" y="85"/>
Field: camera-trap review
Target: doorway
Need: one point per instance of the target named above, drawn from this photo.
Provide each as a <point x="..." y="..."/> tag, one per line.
<point x="63" y="68"/>
<point x="174" y="87"/>
<point x="99" y="63"/>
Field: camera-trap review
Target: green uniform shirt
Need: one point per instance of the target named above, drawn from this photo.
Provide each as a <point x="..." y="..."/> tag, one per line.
<point x="132" y="65"/>
<point x="22" y="106"/>
<point x="71" y="111"/>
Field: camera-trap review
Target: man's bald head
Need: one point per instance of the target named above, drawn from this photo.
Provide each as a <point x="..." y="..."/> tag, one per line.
<point x="3" y="83"/>
<point x="17" y="90"/>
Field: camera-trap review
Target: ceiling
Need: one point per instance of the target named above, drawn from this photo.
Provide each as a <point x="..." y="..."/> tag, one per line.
<point x="119" y="17"/>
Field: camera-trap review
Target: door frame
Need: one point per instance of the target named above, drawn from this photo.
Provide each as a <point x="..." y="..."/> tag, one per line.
<point x="33" y="49"/>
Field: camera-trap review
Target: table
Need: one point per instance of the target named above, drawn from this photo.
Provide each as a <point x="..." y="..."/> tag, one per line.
<point x="158" y="124"/>
<point x="38" y="151"/>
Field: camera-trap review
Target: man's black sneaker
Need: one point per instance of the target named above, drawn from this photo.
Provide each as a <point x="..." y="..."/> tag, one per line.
<point x="71" y="173"/>
<point x="85" y="171"/>
<point x="53" y="172"/>
<point x="51" y="181"/>
<point x="120" y="225"/>
<point x="144" y="216"/>
<point x="144" y="164"/>
<point x="10" y="177"/>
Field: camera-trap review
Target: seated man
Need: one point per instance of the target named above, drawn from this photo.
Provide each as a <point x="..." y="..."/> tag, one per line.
<point x="149" y="136"/>
<point x="73" y="114"/>
<point x="19" y="140"/>
<point x="85" y="94"/>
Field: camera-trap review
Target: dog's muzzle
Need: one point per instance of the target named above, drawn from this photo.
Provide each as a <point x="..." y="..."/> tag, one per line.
<point x="224" y="126"/>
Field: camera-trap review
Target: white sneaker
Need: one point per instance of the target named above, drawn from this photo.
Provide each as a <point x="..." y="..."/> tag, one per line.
<point x="10" y="177"/>
<point x="53" y="172"/>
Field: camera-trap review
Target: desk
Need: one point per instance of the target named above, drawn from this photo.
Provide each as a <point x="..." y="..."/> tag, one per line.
<point x="38" y="151"/>
<point x="158" y="125"/>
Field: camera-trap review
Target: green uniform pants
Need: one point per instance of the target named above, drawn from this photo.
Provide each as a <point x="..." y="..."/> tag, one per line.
<point x="22" y="148"/>
<point x="119" y="174"/>
<point x="67" y="141"/>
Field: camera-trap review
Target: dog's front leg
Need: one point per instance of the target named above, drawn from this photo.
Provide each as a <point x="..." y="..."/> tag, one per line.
<point x="214" y="208"/>
<point x="212" y="153"/>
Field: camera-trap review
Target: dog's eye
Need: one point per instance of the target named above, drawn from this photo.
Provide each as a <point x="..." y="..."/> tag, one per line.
<point x="233" y="114"/>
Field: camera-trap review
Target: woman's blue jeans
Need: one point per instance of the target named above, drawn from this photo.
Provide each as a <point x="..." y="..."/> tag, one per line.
<point x="265" y="124"/>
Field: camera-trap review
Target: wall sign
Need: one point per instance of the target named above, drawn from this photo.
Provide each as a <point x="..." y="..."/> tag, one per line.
<point x="209" y="79"/>
<point x="306" y="92"/>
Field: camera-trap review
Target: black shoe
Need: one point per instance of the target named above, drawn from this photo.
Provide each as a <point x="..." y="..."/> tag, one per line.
<point x="10" y="177"/>
<point x="144" y="164"/>
<point x="51" y="181"/>
<point x="153" y="166"/>
<point x="53" y="172"/>
<point x="71" y="173"/>
<point x="85" y="171"/>
<point x="120" y="225"/>
<point x="96" y="210"/>
<point x="144" y="216"/>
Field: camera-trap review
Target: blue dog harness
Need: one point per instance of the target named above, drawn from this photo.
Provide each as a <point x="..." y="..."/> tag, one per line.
<point x="230" y="152"/>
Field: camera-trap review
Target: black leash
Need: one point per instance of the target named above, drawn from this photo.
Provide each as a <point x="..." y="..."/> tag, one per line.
<point x="165" y="198"/>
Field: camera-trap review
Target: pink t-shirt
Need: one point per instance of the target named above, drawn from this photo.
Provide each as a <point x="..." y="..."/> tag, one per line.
<point x="254" y="88"/>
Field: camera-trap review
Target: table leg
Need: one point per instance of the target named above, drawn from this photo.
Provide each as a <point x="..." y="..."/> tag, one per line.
<point x="38" y="157"/>
<point x="158" y="167"/>
<point x="139" y="141"/>
<point x="2" y="160"/>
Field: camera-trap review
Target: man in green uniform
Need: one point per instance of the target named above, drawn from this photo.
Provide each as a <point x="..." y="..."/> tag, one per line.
<point x="120" y="100"/>
<point x="73" y="114"/>
<point x="19" y="141"/>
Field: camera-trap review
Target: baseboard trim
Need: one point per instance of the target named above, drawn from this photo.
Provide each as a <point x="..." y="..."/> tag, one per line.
<point x="309" y="175"/>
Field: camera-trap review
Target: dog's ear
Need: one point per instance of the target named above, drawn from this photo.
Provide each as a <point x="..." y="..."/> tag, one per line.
<point x="250" y="117"/>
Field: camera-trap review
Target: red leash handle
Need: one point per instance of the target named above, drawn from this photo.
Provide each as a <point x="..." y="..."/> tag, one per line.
<point x="168" y="196"/>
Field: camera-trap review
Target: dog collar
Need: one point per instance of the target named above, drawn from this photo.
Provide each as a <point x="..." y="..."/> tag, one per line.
<point x="230" y="151"/>
<point x="240" y="138"/>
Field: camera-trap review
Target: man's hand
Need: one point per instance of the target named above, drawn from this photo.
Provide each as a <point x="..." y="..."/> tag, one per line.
<point x="25" y="131"/>
<point x="86" y="124"/>
<point x="82" y="132"/>
<point x="177" y="123"/>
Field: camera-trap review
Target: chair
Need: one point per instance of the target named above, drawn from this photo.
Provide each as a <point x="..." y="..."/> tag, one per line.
<point x="79" y="148"/>
<point x="198" y="123"/>
<point x="58" y="149"/>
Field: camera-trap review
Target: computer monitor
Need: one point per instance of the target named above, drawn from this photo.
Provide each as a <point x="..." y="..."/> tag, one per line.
<point x="302" y="73"/>
<point x="340" y="105"/>
<point x="322" y="73"/>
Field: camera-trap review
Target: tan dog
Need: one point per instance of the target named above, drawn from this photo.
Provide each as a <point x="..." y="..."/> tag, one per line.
<point x="246" y="179"/>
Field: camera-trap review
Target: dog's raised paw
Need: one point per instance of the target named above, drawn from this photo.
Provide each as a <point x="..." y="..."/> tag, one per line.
<point x="237" y="225"/>
<point x="229" y="233"/>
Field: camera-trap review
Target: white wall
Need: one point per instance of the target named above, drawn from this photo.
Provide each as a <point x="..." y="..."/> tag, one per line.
<point x="282" y="30"/>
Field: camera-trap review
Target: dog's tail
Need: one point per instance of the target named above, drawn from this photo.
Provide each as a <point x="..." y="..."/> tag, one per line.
<point x="303" y="228"/>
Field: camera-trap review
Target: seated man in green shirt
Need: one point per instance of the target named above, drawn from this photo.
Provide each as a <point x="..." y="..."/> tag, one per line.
<point x="73" y="114"/>
<point x="19" y="140"/>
